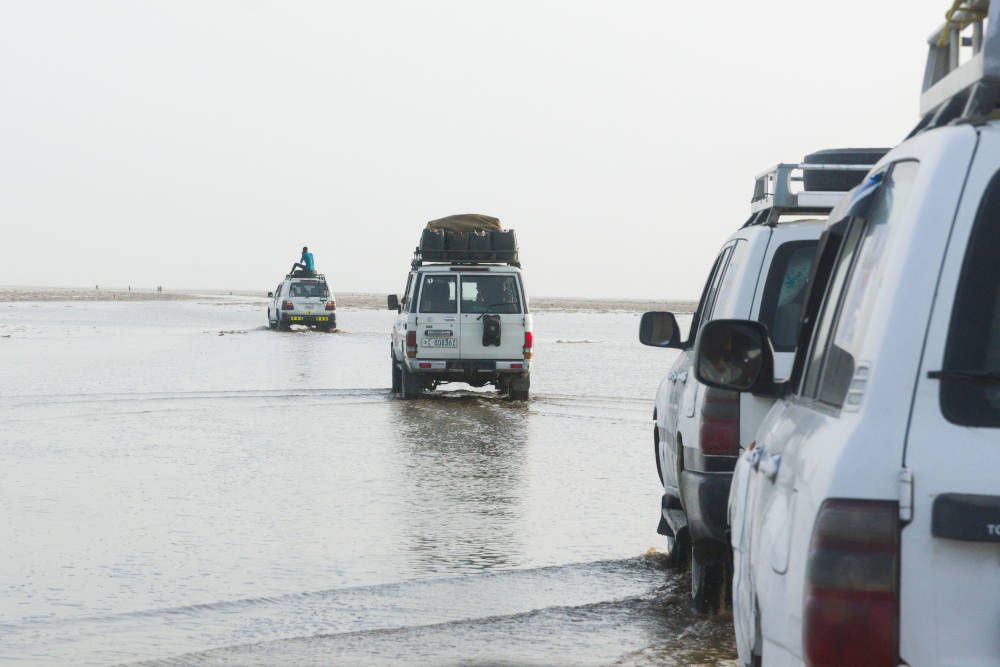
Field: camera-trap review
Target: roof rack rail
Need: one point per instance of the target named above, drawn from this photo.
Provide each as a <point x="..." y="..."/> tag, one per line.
<point x="463" y="258"/>
<point x="302" y="273"/>
<point x="773" y="196"/>
<point x="955" y="92"/>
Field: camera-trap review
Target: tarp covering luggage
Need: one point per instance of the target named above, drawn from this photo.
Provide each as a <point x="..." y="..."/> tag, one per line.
<point x="467" y="238"/>
<point x="466" y="222"/>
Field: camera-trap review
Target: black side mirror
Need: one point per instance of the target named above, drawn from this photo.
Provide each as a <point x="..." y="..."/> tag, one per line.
<point x="736" y="355"/>
<point x="393" y="302"/>
<point x="270" y="295"/>
<point x="659" y="329"/>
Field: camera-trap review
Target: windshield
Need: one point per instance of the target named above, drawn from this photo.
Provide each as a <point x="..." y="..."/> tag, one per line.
<point x="309" y="290"/>
<point x="490" y="294"/>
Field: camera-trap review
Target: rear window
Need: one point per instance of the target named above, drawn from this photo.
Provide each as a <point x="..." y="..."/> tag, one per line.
<point x="974" y="333"/>
<point x="309" y="290"/>
<point x="785" y="292"/>
<point x="490" y="294"/>
<point x="438" y="294"/>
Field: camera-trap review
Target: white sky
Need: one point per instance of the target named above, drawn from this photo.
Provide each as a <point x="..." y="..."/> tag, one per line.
<point x="201" y="144"/>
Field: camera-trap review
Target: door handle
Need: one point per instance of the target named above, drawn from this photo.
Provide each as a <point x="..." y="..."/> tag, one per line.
<point x="682" y="377"/>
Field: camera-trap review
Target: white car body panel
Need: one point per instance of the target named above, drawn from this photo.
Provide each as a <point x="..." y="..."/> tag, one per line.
<point x="857" y="451"/>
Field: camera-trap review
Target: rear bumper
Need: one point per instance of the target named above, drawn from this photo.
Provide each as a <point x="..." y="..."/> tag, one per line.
<point x="459" y="367"/>
<point x="315" y="319"/>
<point x="706" y="500"/>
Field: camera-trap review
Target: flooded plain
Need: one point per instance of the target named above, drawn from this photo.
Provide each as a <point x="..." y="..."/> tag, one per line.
<point x="181" y="485"/>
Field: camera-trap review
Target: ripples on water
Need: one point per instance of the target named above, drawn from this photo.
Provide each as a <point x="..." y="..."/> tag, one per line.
<point x="172" y="494"/>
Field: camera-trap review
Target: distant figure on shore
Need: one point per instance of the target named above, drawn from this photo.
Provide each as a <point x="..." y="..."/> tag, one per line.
<point x="306" y="262"/>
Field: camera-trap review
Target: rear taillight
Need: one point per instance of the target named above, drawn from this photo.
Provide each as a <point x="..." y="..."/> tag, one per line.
<point x="411" y="344"/>
<point x="719" y="433"/>
<point x="529" y="344"/>
<point x="331" y="305"/>
<point x="288" y="305"/>
<point x="852" y="601"/>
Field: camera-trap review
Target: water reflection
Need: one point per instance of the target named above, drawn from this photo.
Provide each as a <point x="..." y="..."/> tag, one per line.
<point x="463" y="457"/>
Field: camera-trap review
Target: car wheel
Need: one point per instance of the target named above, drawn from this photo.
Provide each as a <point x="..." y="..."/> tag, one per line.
<point x="519" y="388"/>
<point x="271" y="324"/>
<point x="397" y="382"/>
<point x="410" y="385"/>
<point x="707" y="578"/>
<point x="677" y="551"/>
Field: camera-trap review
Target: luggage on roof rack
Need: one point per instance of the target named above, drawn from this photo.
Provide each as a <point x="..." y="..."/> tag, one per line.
<point x="825" y="176"/>
<point x="954" y="91"/>
<point x="467" y="239"/>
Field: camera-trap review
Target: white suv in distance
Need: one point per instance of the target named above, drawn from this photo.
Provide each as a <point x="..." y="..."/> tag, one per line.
<point x="760" y="273"/>
<point x="302" y="298"/>
<point x="464" y="314"/>
<point x="867" y="516"/>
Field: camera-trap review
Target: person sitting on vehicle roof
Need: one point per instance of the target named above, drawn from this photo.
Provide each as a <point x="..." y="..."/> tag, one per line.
<point x="306" y="262"/>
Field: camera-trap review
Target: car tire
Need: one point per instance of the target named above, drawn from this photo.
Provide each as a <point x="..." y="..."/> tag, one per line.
<point x="519" y="387"/>
<point x="410" y="385"/>
<point x="271" y="324"/>
<point x="397" y="380"/>
<point x="677" y="551"/>
<point x="708" y="573"/>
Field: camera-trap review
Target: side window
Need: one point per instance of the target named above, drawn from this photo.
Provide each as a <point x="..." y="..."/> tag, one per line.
<point x="711" y="291"/>
<point x="974" y="333"/>
<point x="439" y="294"/>
<point x="785" y="292"/>
<point x="854" y="288"/>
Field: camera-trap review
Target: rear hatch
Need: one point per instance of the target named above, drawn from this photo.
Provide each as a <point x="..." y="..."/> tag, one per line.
<point x="309" y="297"/>
<point x="489" y="299"/>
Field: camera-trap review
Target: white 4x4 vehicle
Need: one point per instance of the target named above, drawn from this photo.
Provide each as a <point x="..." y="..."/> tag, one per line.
<point x="463" y="318"/>
<point x="866" y="519"/>
<point x="760" y="273"/>
<point x="302" y="298"/>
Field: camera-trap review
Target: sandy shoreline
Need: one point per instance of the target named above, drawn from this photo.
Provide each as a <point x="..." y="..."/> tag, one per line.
<point x="344" y="299"/>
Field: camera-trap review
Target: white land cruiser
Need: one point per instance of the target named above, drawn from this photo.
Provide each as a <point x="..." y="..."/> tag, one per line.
<point x="760" y="273"/>
<point x="302" y="298"/>
<point x="866" y="519"/>
<point x="463" y="317"/>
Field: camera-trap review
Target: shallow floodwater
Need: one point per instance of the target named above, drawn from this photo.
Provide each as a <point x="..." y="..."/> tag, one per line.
<point x="180" y="484"/>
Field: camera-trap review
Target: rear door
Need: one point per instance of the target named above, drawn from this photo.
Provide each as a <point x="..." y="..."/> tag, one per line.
<point x="494" y="294"/>
<point x="437" y="317"/>
<point x="950" y="560"/>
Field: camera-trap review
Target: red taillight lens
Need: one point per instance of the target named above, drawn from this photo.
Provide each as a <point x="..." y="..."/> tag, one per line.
<point x="529" y="344"/>
<point x="331" y="305"/>
<point x="288" y="305"/>
<point x="425" y="364"/>
<point x="411" y="344"/>
<point x="719" y="433"/>
<point x="852" y="601"/>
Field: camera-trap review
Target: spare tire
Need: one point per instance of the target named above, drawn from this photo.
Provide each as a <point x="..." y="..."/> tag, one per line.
<point x="838" y="181"/>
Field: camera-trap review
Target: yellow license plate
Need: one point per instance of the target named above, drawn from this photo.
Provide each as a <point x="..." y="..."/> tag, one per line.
<point x="296" y="318"/>
<point x="322" y="318"/>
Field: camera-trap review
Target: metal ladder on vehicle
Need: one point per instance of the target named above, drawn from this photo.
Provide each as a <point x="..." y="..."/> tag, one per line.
<point x="954" y="91"/>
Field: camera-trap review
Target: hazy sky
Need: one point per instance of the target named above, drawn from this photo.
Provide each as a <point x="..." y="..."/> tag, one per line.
<point x="201" y="144"/>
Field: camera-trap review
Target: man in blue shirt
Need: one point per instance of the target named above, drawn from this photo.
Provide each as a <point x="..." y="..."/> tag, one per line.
<point x="306" y="261"/>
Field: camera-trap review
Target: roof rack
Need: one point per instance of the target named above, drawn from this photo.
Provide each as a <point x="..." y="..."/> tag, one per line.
<point x="300" y="273"/>
<point x="955" y="92"/>
<point x="773" y="196"/>
<point x="463" y="258"/>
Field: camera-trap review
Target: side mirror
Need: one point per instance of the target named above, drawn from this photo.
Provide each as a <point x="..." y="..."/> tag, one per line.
<point x="736" y="355"/>
<point x="270" y="295"/>
<point x="658" y="329"/>
<point x="393" y="302"/>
